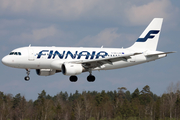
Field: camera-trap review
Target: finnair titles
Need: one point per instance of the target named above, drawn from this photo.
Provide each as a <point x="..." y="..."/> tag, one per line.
<point x="52" y="54"/>
<point x="72" y="61"/>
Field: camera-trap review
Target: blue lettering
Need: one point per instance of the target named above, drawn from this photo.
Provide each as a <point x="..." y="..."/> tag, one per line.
<point x="93" y="54"/>
<point x="57" y="53"/>
<point x="81" y="54"/>
<point x="50" y="54"/>
<point x="148" y="36"/>
<point x="72" y="56"/>
<point x="103" y="56"/>
<point x="86" y="54"/>
<point x="41" y="53"/>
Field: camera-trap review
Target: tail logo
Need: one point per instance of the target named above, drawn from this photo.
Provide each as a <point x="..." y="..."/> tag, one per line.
<point x="148" y="36"/>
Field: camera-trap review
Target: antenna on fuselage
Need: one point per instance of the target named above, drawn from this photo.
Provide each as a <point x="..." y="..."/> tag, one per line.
<point x="29" y="45"/>
<point x="102" y="46"/>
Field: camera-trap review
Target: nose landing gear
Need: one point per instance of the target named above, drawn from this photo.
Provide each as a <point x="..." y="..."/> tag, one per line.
<point x="27" y="78"/>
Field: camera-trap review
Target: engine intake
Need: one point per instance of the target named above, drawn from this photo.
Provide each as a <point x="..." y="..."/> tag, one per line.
<point x="71" y="69"/>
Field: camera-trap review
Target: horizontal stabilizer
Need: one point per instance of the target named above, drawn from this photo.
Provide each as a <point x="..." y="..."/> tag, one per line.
<point x="159" y="53"/>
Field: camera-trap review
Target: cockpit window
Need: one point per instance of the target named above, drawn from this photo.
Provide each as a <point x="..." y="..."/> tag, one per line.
<point x="11" y="53"/>
<point x="15" y="53"/>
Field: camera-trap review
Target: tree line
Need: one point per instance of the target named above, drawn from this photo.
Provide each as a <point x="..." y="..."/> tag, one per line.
<point x="119" y="104"/>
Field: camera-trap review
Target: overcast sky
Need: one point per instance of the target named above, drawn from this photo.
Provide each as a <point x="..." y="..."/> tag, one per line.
<point x="88" y="23"/>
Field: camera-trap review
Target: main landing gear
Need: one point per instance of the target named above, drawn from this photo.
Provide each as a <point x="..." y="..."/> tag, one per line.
<point x="27" y="78"/>
<point x="73" y="78"/>
<point x="90" y="78"/>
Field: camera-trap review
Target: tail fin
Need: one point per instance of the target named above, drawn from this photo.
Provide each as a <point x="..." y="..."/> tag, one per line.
<point x="148" y="40"/>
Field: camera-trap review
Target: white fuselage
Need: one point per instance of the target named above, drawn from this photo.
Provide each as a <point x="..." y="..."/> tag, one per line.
<point x="54" y="57"/>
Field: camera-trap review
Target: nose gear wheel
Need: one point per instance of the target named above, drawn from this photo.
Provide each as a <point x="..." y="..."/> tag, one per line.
<point x="27" y="78"/>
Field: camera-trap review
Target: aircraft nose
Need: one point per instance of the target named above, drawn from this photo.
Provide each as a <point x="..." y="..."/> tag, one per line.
<point x="5" y="60"/>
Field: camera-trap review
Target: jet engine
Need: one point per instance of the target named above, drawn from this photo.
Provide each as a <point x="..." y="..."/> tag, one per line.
<point x="71" y="69"/>
<point x="45" y="72"/>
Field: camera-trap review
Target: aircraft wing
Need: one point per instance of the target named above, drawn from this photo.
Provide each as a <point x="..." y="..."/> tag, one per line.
<point x="109" y="60"/>
<point x="99" y="62"/>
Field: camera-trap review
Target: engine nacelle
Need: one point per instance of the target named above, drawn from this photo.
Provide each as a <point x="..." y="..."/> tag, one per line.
<point x="45" y="72"/>
<point x="71" y="69"/>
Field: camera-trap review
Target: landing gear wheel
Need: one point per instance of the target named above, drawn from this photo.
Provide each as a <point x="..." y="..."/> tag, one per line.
<point x="27" y="78"/>
<point x="73" y="78"/>
<point x="91" y="78"/>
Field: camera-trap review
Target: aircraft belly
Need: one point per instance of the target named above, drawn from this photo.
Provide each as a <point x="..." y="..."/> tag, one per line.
<point x="119" y="64"/>
<point x="56" y="64"/>
<point x="36" y="64"/>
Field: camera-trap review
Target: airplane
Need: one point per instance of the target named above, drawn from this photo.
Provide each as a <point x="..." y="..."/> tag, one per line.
<point x="72" y="61"/>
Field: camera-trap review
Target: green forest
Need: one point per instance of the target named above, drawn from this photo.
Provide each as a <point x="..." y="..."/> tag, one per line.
<point x="119" y="104"/>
